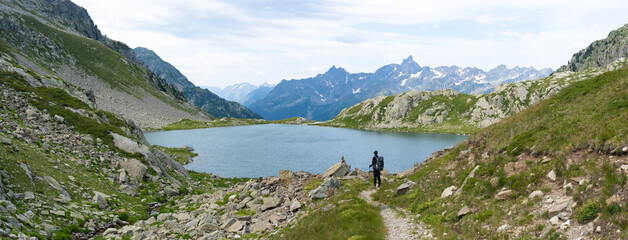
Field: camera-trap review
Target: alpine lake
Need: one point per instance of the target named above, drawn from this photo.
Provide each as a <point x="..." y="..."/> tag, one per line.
<point x="262" y="150"/>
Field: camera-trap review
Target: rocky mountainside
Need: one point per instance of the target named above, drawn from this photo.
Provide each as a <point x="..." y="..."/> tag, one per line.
<point x="322" y="97"/>
<point x="257" y="94"/>
<point x="41" y="40"/>
<point x="67" y="166"/>
<point x="601" y="52"/>
<point x="558" y="170"/>
<point x="449" y="111"/>
<point x="197" y="96"/>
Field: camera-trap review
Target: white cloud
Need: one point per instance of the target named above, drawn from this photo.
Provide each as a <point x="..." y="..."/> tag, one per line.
<point x="216" y="42"/>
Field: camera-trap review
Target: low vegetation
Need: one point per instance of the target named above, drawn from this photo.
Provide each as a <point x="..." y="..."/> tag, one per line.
<point x="343" y="216"/>
<point x="565" y="134"/>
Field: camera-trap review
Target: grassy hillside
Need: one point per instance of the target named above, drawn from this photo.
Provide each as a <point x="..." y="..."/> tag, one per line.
<point x="577" y="134"/>
<point x="449" y="111"/>
<point x="61" y="58"/>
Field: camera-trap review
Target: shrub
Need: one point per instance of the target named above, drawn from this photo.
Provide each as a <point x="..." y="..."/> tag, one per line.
<point x="124" y="216"/>
<point x="588" y="211"/>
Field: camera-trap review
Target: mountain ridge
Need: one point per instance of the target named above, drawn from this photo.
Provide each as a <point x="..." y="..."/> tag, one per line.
<point x="323" y="96"/>
<point x="202" y="98"/>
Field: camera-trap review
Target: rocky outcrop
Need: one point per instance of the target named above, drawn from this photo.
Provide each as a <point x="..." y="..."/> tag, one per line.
<point x="600" y="53"/>
<point x="202" y="98"/>
<point x="450" y="111"/>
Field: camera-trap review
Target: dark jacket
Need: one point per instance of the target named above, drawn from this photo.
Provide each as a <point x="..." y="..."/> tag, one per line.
<point x="374" y="162"/>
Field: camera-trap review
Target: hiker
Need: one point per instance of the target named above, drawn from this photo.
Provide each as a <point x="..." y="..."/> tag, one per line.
<point x="378" y="166"/>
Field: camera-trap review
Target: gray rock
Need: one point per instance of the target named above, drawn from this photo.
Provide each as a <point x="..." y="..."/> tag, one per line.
<point x="259" y="226"/>
<point x="14" y="222"/>
<point x="295" y="205"/>
<point x="552" y="175"/>
<point x="123" y="177"/>
<point x="28" y="171"/>
<point x="471" y="174"/>
<point x="560" y="204"/>
<point x="100" y="199"/>
<point x="129" y="145"/>
<point x="5" y="140"/>
<point x="554" y="220"/>
<point x="286" y="177"/>
<point x="504" y="195"/>
<point x="270" y="203"/>
<point x="29" y="196"/>
<point x="464" y="211"/>
<point x="59" y="118"/>
<point x="228" y="223"/>
<point x="537" y="193"/>
<point x="171" y="191"/>
<point x="134" y="168"/>
<point x="56" y="185"/>
<point x="448" y="192"/>
<point x="331" y="182"/>
<point x="319" y="193"/>
<point x="337" y="170"/>
<point x="403" y="188"/>
<point x="128" y="189"/>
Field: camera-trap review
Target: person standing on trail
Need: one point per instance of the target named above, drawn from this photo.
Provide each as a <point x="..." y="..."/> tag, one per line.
<point x="378" y="166"/>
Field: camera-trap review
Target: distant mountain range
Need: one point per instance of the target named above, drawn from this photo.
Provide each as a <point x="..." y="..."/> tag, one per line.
<point x="244" y="93"/>
<point x="324" y="96"/>
<point x="197" y="96"/>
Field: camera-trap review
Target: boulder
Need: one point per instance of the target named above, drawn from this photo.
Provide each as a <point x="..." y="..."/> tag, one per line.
<point x="286" y="177"/>
<point x="270" y="203"/>
<point x="537" y="193"/>
<point x="235" y="227"/>
<point x="128" y="189"/>
<point x="171" y="191"/>
<point x="552" y="175"/>
<point x="403" y="188"/>
<point x="448" y="192"/>
<point x="464" y="211"/>
<point x="259" y="226"/>
<point x="331" y="182"/>
<point x="318" y="193"/>
<point x="29" y="196"/>
<point x="504" y="195"/>
<point x="56" y="185"/>
<point x="337" y="170"/>
<point x="554" y="220"/>
<point x="129" y="145"/>
<point x="100" y="199"/>
<point x="207" y="222"/>
<point x="134" y="168"/>
<point x="295" y="205"/>
<point x="123" y="177"/>
<point x="560" y="204"/>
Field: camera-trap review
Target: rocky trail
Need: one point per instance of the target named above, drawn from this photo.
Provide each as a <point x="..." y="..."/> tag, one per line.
<point x="398" y="227"/>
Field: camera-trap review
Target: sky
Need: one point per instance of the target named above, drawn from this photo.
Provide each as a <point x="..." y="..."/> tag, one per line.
<point x="224" y="42"/>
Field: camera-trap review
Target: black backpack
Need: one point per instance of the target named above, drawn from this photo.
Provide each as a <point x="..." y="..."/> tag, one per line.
<point x="379" y="164"/>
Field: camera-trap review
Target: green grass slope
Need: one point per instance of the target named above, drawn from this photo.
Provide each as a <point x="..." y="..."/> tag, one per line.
<point x="578" y="134"/>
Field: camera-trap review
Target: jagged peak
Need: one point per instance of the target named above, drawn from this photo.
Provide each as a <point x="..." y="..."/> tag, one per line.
<point x="409" y="60"/>
<point x="334" y="69"/>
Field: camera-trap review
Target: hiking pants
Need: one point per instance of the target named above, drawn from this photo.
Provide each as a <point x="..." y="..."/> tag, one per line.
<point x="376" y="178"/>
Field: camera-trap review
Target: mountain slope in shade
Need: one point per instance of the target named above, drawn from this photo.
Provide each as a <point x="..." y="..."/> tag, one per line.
<point x="56" y="42"/>
<point x="197" y="96"/>
<point x="322" y="97"/>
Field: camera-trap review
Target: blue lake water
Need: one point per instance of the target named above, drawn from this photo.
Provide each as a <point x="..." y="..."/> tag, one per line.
<point x="263" y="150"/>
